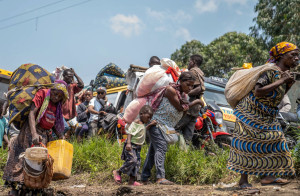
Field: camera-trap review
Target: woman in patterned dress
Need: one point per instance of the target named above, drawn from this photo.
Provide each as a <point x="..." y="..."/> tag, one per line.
<point x="169" y="105"/>
<point x="45" y="114"/>
<point x="258" y="146"/>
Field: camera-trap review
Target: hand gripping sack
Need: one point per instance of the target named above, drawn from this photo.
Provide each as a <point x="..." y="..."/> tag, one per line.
<point x="243" y="81"/>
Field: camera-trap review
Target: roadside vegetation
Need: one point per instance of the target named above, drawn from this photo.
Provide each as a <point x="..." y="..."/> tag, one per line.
<point x="194" y="167"/>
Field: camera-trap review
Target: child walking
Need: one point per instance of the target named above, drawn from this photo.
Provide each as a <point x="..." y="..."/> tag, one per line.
<point x="136" y="134"/>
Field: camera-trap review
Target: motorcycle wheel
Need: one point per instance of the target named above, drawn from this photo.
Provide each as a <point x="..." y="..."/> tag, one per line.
<point x="291" y="142"/>
<point x="223" y="140"/>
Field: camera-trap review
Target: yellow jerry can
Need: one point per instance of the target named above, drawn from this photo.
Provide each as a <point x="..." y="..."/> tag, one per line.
<point x="62" y="153"/>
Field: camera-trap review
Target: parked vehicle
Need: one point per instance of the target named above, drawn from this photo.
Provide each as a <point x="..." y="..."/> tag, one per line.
<point x="208" y="128"/>
<point x="4" y="82"/>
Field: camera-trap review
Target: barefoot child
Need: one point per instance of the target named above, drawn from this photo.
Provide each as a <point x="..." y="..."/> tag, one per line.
<point x="132" y="147"/>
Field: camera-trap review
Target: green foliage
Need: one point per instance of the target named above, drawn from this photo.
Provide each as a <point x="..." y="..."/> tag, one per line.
<point x="192" y="167"/>
<point x="277" y="21"/>
<point x="182" y="56"/>
<point x="3" y="159"/>
<point x="230" y="50"/>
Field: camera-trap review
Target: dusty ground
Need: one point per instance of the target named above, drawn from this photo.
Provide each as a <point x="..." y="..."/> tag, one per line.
<point x="83" y="185"/>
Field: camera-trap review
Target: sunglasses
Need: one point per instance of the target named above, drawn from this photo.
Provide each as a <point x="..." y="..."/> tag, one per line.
<point x="102" y="93"/>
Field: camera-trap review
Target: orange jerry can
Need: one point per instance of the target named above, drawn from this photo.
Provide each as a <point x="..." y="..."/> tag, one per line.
<point x="62" y="153"/>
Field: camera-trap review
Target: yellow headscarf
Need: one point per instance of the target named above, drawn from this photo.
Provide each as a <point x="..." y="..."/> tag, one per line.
<point x="280" y="49"/>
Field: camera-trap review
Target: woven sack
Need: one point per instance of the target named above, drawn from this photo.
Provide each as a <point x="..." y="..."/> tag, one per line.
<point x="40" y="181"/>
<point x="243" y="81"/>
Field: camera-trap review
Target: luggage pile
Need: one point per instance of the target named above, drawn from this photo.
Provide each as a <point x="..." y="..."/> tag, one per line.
<point x="110" y="76"/>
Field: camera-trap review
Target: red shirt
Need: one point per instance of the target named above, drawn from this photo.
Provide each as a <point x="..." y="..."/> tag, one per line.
<point x="69" y="107"/>
<point x="48" y="119"/>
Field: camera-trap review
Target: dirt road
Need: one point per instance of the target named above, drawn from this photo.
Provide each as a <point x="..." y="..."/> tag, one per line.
<point x="82" y="185"/>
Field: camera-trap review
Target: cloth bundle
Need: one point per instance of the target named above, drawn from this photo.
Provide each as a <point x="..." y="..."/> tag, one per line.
<point x="110" y="76"/>
<point x="23" y="85"/>
<point x="153" y="79"/>
<point x="243" y="81"/>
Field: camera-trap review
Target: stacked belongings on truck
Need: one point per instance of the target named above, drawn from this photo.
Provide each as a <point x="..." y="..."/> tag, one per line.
<point x="154" y="78"/>
<point x="110" y="76"/>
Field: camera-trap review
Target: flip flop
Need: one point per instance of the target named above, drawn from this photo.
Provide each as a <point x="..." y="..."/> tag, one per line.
<point x="165" y="182"/>
<point x="245" y="186"/>
<point x="137" y="184"/>
<point x="117" y="177"/>
<point x="275" y="182"/>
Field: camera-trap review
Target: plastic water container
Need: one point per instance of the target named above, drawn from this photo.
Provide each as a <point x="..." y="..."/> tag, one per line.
<point x="62" y="153"/>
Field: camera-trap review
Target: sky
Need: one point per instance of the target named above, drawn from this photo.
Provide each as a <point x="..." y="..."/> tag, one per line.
<point x="89" y="34"/>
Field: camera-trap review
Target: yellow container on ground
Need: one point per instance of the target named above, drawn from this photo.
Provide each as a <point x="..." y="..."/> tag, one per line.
<point x="62" y="153"/>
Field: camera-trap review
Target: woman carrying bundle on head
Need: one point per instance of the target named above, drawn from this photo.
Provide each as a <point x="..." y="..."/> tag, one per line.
<point x="259" y="146"/>
<point x="45" y="114"/>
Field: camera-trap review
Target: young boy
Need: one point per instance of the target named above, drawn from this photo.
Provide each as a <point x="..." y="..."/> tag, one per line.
<point x="133" y="145"/>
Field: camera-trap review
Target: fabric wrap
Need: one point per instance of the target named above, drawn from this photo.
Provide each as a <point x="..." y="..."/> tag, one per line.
<point x="23" y="85"/>
<point x="110" y="76"/>
<point x="243" y="81"/>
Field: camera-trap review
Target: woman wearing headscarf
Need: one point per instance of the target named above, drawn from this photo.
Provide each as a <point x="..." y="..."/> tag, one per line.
<point x="258" y="146"/>
<point x="45" y="114"/>
<point x="169" y="104"/>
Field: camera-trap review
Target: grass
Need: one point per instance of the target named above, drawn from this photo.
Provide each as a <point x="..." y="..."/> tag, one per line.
<point x="192" y="167"/>
<point x="101" y="156"/>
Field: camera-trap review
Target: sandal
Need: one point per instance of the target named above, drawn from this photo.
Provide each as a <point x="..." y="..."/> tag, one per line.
<point x="245" y="186"/>
<point x="165" y="182"/>
<point x="275" y="182"/>
<point x="136" y="184"/>
<point x="117" y="177"/>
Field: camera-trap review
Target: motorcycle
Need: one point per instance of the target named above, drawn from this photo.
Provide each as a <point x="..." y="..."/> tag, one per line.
<point x="209" y="128"/>
<point x="290" y="126"/>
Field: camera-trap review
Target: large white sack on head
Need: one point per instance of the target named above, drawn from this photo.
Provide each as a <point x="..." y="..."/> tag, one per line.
<point x="151" y="76"/>
<point x="243" y="81"/>
<point x="156" y="77"/>
<point x="133" y="109"/>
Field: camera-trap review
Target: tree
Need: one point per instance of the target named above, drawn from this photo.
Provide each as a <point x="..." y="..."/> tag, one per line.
<point x="232" y="50"/>
<point x="182" y="56"/>
<point x="277" y="21"/>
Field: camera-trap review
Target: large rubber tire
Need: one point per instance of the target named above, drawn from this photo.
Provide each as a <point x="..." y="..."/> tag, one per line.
<point x="223" y="140"/>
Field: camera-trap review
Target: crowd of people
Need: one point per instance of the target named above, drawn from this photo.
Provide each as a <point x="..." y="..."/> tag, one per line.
<point x="258" y="146"/>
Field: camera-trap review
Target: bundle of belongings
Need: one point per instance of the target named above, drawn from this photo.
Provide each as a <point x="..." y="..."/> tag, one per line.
<point x="243" y="81"/>
<point x="133" y="77"/>
<point x="110" y="76"/>
<point x="24" y="83"/>
<point x="154" y="78"/>
<point x="38" y="167"/>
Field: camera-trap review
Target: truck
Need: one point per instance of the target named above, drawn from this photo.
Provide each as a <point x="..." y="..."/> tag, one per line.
<point x="5" y="76"/>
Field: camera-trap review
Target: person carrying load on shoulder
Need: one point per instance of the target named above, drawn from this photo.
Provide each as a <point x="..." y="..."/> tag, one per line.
<point x="187" y="124"/>
<point x="45" y="114"/>
<point x="133" y="145"/>
<point x="69" y="107"/>
<point x="259" y="146"/>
